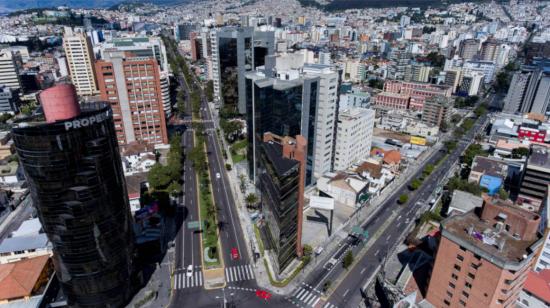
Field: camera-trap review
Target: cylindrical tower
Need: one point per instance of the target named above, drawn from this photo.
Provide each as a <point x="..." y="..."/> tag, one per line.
<point x="60" y="103"/>
<point x="75" y="176"/>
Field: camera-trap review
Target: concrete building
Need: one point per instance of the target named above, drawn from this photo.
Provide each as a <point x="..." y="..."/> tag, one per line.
<point x="325" y="119"/>
<point x="236" y="51"/>
<point x="325" y="58"/>
<point x="281" y="183"/>
<point x="468" y="49"/>
<point x="534" y="184"/>
<point x="487" y="68"/>
<point x="78" y="51"/>
<point x="353" y="137"/>
<point x="530" y="89"/>
<point x="9" y="76"/>
<point x="471" y="83"/>
<point x="489" y="50"/>
<point x="437" y="110"/>
<point x="484" y="256"/>
<point x="8" y="102"/>
<point x="132" y="86"/>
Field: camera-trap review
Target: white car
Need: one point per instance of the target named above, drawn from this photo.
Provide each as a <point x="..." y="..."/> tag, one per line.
<point x="218" y="175"/>
<point x="189" y="272"/>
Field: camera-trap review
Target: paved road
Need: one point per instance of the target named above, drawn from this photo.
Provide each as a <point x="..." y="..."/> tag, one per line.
<point x="348" y="293"/>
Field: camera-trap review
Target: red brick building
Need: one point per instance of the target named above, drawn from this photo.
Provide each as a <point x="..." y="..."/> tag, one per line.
<point x="484" y="256"/>
<point x="132" y="86"/>
<point x="416" y="92"/>
<point x="392" y="100"/>
<point x="531" y="134"/>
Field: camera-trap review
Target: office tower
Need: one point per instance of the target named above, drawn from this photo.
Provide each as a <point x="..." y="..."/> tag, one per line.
<point x="353" y="137"/>
<point x="78" y="51"/>
<point x="9" y="75"/>
<point x="452" y="78"/>
<point x="325" y="120"/>
<point x="325" y="58"/>
<point x="182" y="32"/>
<point x="468" y="49"/>
<point x="73" y="169"/>
<point x="281" y="183"/>
<point x="534" y="184"/>
<point x="151" y="47"/>
<point x="196" y="45"/>
<point x="484" y="256"/>
<point x="285" y="107"/>
<point x="437" y="110"/>
<point x="405" y="21"/>
<point x="232" y="56"/>
<point x="489" y="50"/>
<point x="132" y="86"/>
<point x="541" y="100"/>
<point x="420" y="73"/>
<point x="8" y="101"/>
<point x="471" y="83"/>
<point x="486" y="68"/>
<point x="516" y="92"/>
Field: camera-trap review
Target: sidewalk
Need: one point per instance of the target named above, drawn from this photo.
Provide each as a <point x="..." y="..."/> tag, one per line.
<point x="158" y="291"/>
<point x="331" y="244"/>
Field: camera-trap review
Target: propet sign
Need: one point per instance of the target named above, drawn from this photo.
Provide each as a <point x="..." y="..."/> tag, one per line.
<point x="83" y="122"/>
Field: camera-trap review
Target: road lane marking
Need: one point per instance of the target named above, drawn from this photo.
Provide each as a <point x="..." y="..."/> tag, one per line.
<point x="376" y="253"/>
<point x="311" y="300"/>
<point x="315" y="302"/>
<point x="309" y="295"/>
<point x="251" y="271"/>
<point x="345" y="293"/>
<point x="363" y="270"/>
<point x="299" y="295"/>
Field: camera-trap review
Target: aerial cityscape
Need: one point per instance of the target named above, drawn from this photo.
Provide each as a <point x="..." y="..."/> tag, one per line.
<point x="290" y="153"/>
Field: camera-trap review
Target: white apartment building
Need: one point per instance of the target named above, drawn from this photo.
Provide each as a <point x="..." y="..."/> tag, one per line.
<point x="78" y="52"/>
<point x="8" y="71"/>
<point x="543" y="261"/>
<point x="326" y="116"/>
<point x="353" y="137"/>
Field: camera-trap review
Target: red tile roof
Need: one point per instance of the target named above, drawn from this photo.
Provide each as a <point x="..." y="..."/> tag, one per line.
<point x="392" y="157"/>
<point x="19" y="278"/>
<point x="539" y="284"/>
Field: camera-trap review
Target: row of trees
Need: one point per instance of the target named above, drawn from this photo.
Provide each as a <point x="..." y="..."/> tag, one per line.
<point x="167" y="177"/>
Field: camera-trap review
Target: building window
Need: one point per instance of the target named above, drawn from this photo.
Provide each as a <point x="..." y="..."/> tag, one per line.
<point x="460" y="258"/>
<point x="452" y="285"/>
<point x="462" y="248"/>
<point x="449" y="294"/>
<point x="471" y="275"/>
<point x="457" y="267"/>
<point x="454" y="276"/>
<point x="475" y="266"/>
<point x="462" y="303"/>
<point x="468" y="285"/>
<point x="465" y="294"/>
<point x="447" y="303"/>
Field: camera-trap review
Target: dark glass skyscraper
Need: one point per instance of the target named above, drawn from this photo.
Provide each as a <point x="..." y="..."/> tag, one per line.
<point x="74" y="172"/>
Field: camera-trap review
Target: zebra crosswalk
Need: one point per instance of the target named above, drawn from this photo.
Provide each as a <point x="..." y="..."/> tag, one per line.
<point x="239" y="273"/>
<point x="307" y="296"/>
<point x="182" y="281"/>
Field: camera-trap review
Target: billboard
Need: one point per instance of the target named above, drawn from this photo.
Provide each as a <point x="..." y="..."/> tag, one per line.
<point x="418" y="140"/>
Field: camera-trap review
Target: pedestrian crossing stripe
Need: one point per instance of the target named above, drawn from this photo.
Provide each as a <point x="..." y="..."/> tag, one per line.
<point x="182" y="281"/>
<point x="308" y="297"/>
<point x="239" y="273"/>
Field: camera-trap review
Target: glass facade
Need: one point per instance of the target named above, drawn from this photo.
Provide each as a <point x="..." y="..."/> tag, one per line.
<point x="279" y="193"/>
<point x="74" y="173"/>
<point x="229" y="72"/>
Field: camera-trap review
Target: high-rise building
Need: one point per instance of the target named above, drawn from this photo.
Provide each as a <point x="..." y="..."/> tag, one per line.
<point x="285" y="106"/>
<point x="8" y="101"/>
<point x="73" y="169"/>
<point x="183" y="31"/>
<point x="233" y="54"/>
<point x="534" y="184"/>
<point x="325" y="58"/>
<point x="471" y="83"/>
<point x="325" y="120"/>
<point x="151" y="47"/>
<point x="543" y="260"/>
<point x="353" y="137"/>
<point x="9" y="75"/>
<point x="468" y="49"/>
<point x="133" y="88"/>
<point x="489" y="50"/>
<point x="529" y="89"/>
<point x="437" y="110"/>
<point x="78" y="51"/>
<point x="281" y="183"/>
<point x="484" y="256"/>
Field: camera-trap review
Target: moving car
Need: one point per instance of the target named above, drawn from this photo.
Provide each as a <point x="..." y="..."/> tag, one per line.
<point x="189" y="271"/>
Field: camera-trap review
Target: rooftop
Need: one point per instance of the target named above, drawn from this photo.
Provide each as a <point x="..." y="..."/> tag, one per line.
<point x="471" y="230"/>
<point x="464" y="201"/>
<point x="539" y="284"/>
<point x="539" y="158"/>
<point x="28" y="227"/>
<point x="490" y="166"/>
<point x="274" y="152"/>
<point x="18" y="279"/>
<point x="24" y="243"/>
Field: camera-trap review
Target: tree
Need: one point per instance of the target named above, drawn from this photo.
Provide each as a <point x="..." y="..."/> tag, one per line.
<point x="429" y="169"/>
<point x="158" y="177"/>
<point x="251" y="199"/>
<point x="503" y="194"/>
<point x="415" y="184"/>
<point x="348" y="259"/>
<point x="403" y="199"/>
<point x="376" y="83"/>
<point x="210" y="90"/>
<point x="326" y="286"/>
<point x="307" y="250"/>
<point x="520" y="152"/>
<point x="242" y="182"/>
<point x="455" y="118"/>
<point x="480" y="110"/>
